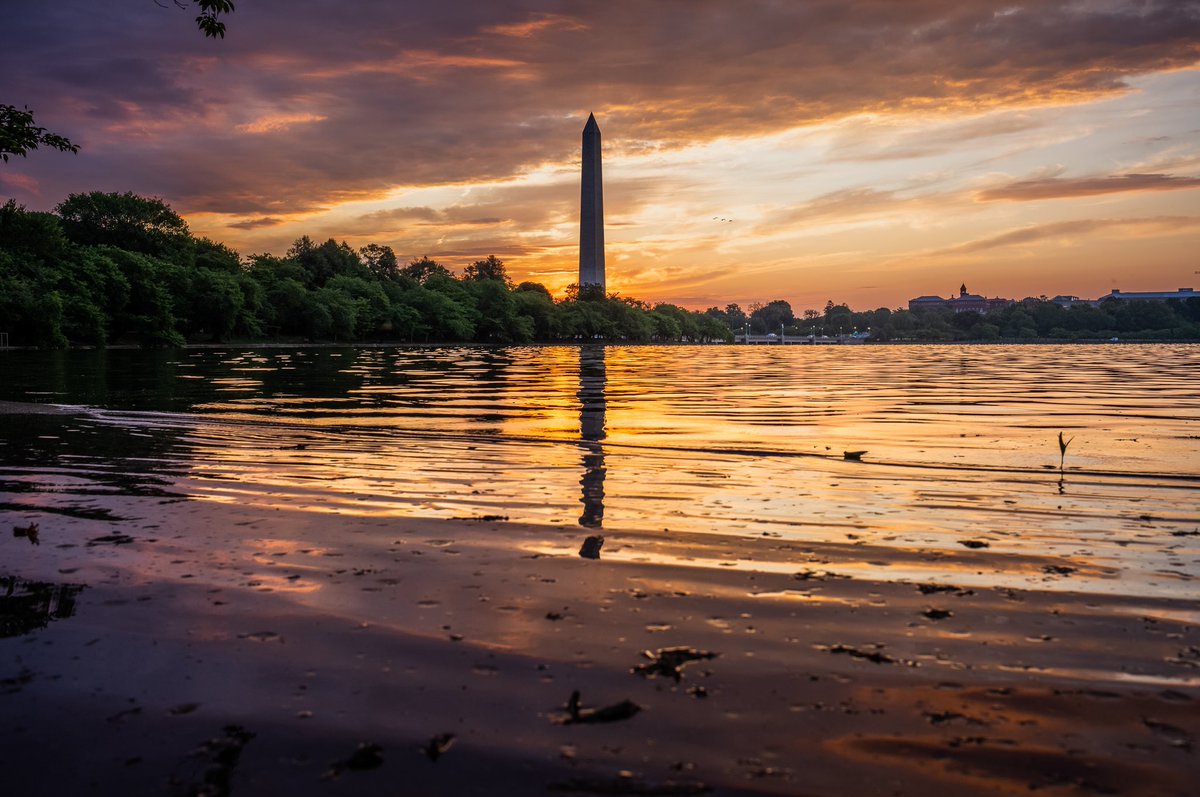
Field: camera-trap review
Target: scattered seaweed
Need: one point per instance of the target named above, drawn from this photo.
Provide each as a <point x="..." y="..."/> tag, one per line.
<point x="875" y="656"/>
<point x="580" y="715"/>
<point x="435" y="747"/>
<point x="591" y="547"/>
<point x="932" y="589"/>
<point x="110" y="539"/>
<point x="669" y="662"/>
<point x="817" y="575"/>
<point x="366" y="756"/>
<point x="222" y="754"/>
<point x="624" y="785"/>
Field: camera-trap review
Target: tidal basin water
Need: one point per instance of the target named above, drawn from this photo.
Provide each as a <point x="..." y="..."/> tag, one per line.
<point x="733" y="441"/>
<point x="889" y="576"/>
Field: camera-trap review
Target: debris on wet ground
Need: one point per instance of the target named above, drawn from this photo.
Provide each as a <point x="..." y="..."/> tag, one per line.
<point x="942" y="717"/>
<point x="1059" y="570"/>
<point x="222" y="754"/>
<point x="973" y="544"/>
<point x="435" y="747"/>
<point x="183" y="708"/>
<point x="591" y="547"/>
<point x="874" y="655"/>
<point x="669" y="662"/>
<point x="1187" y="657"/>
<point x="937" y="614"/>
<point x="817" y="575"/>
<point x="1173" y="736"/>
<point x="933" y="589"/>
<point x="628" y="785"/>
<point x="856" y="456"/>
<point x="366" y="756"/>
<point x="29" y="532"/>
<point x="110" y="539"/>
<point x="580" y="715"/>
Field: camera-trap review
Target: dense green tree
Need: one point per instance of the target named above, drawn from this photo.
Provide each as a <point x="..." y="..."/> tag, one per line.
<point x="325" y="261"/>
<point x="539" y="308"/>
<point x="33" y="237"/>
<point x="490" y="268"/>
<point x="422" y="268"/>
<point x="127" y="221"/>
<point x="771" y="317"/>
<point x="217" y="256"/>
<point x="500" y="319"/>
<point x="372" y="309"/>
<point x="214" y="300"/>
<point x="381" y="261"/>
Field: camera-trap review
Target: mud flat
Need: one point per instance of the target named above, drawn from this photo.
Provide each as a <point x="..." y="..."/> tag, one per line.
<point x="168" y="646"/>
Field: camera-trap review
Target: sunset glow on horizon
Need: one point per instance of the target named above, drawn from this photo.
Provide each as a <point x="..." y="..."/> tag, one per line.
<point x="861" y="151"/>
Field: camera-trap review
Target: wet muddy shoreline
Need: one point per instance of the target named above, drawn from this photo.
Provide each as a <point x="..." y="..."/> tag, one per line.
<point x="318" y="635"/>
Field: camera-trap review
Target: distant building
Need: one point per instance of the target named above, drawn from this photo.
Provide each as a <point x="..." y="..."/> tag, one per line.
<point x="1067" y="302"/>
<point x="963" y="303"/>
<point x="1152" y="296"/>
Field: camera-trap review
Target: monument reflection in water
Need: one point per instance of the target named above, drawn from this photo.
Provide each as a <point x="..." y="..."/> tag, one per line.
<point x="592" y="385"/>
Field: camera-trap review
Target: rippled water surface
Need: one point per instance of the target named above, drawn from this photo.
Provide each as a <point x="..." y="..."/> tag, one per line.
<point x="961" y="444"/>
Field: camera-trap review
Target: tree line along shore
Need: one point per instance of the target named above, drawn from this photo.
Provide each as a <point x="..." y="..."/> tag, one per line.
<point x="109" y="269"/>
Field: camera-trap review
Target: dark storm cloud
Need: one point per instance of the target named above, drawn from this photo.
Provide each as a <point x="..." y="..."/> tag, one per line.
<point x="1062" y="188"/>
<point x="1075" y="228"/>
<point x="309" y="103"/>
<point x="255" y="224"/>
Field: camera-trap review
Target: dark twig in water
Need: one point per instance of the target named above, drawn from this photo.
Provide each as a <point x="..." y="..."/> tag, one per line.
<point x="367" y="756"/>
<point x="876" y="656"/>
<point x="578" y="715"/>
<point x="439" y="744"/>
<point x="30" y="532"/>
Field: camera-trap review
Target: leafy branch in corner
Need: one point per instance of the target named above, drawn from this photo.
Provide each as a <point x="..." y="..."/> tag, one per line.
<point x="19" y="135"/>
<point x="209" y="21"/>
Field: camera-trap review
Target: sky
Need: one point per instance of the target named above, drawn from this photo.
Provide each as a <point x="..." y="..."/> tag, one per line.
<point x="864" y="151"/>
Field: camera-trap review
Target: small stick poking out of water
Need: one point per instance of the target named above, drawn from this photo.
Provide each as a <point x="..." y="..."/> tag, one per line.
<point x="1062" y="451"/>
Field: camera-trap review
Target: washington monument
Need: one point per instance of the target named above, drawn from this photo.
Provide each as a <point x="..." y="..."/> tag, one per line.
<point x="591" y="210"/>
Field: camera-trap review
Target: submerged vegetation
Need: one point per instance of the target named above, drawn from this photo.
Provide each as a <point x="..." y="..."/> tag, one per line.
<point x="119" y="268"/>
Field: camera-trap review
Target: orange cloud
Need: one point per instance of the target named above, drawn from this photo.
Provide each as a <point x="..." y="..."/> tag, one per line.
<point x="279" y="121"/>
<point x="530" y="27"/>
